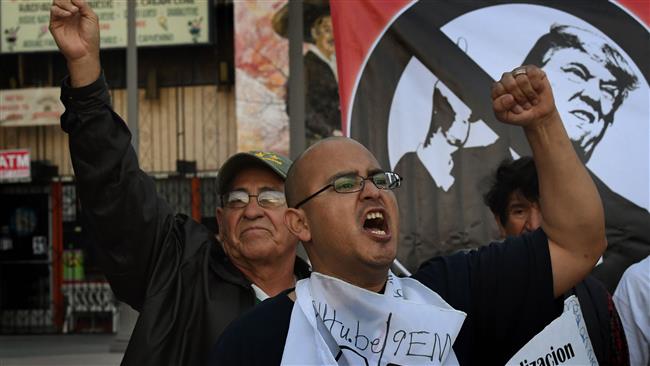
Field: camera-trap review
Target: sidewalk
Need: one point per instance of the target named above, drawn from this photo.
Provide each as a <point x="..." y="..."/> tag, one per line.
<point x="58" y="350"/>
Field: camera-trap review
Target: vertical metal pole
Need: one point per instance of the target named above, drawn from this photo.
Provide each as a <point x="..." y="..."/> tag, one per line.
<point x="296" y="80"/>
<point x="56" y="192"/>
<point x="132" y="75"/>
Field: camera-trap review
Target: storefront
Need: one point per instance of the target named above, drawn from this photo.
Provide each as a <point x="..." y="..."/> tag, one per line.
<point x="49" y="278"/>
<point x="30" y="251"/>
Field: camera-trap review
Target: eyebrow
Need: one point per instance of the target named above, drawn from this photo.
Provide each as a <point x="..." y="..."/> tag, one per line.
<point x="266" y="189"/>
<point x="341" y="174"/>
<point x="517" y="205"/>
<point x="374" y="171"/>
<point x="261" y="189"/>
<point x="615" y="83"/>
<point x="583" y="68"/>
<point x="370" y="173"/>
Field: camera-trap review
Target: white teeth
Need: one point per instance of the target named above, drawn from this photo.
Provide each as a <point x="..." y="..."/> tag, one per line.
<point x="378" y="232"/>
<point x="374" y="215"/>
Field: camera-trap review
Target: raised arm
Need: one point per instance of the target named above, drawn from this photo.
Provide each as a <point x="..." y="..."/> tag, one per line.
<point x="75" y="28"/>
<point x="573" y="214"/>
<point x="126" y="220"/>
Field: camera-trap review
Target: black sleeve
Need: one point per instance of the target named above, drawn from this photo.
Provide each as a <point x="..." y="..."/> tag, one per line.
<point x="602" y="321"/>
<point x="257" y="337"/>
<point x="120" y="207"/>
<point x="322" y="110"/>
<point x="505" y="288"/>
<point x="513" y="283"/>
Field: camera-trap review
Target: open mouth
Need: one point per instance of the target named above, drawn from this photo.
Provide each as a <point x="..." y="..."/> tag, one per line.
<point x="375" y="223"/>
<point x="583" y="115"/>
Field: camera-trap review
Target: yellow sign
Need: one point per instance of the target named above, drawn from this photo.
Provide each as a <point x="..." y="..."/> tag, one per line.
<point x="25" y="23"/>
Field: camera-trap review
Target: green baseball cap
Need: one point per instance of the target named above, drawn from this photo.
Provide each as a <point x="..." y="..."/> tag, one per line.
<point x="279" y="164"/>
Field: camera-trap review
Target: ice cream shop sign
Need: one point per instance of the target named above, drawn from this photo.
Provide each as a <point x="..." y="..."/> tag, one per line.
<point x="14" y="165"/>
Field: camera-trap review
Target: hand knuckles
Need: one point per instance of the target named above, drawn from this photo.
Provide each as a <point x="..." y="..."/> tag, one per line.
<point x="522" y="80"/>
<point x="508" y="83"/>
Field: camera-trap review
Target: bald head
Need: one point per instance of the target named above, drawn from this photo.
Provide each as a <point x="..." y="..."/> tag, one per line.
<point x="341" y="233"/>
<point x="298" y="178"/>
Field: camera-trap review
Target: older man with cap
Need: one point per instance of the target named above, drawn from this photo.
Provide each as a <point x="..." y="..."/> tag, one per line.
<point x="486" y="303"/>
<point x="186" y="286"/>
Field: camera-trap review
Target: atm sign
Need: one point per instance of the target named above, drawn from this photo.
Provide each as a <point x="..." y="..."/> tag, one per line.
<point x="14" y="165"/>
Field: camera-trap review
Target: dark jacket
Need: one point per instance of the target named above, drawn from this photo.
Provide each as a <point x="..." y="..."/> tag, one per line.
<point x="628" y="235"/>
<point x="603" y="323"/>
<point x="166" y="266"/>
<point x="322" y="109"/>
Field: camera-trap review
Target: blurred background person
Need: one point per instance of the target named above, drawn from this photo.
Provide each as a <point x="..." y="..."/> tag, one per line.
<point x="513" y="198"/>
<point x="632" y="299"/>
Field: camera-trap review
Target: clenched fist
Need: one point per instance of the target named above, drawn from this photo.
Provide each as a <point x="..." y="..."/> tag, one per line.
<point x="75" y="28"/>
<point x="523" y="97"/>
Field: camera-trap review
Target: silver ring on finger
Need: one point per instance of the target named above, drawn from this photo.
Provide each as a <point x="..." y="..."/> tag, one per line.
<point x="521" y="70"/>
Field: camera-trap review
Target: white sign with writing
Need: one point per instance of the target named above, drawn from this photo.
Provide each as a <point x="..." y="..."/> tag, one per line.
<point x="563" y="342"/>
<point x="30" y="107"/>
<point x="337" y="323"/>
<point x="158" y="22"/>
<point x="14" y="165"/>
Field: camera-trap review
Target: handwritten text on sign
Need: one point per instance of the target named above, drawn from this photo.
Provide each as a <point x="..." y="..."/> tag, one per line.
<point x="392" y="341"/>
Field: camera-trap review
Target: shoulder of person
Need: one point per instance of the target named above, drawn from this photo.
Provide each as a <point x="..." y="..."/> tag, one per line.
<point x="263" y="330"/>
<point x="269" y="316"/>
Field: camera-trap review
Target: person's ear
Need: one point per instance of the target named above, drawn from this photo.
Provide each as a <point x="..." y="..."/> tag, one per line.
<point x="314" y="31"/>
<point x="502" y="229"/>
<point x="297" y="224"/>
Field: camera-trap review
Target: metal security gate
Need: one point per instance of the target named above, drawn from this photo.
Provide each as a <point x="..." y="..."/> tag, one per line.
<point x="209" y="202"/>
<point x="26" y="257"/>
<point x="45" y="288"/>
<point x="177" y="192"/>
<point x="192" y="196"/>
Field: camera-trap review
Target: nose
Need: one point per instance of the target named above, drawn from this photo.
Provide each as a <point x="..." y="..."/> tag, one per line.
<point x="370" y="190"/>
<point x="253" y="210"/>
<point x="534" y="220"/>
<point x="592" y="88"/>
<point x="592" y="95"/>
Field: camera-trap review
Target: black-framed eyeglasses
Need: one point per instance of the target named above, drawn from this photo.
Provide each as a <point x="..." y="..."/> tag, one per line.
<point x="266" y="199"/>
<point x="351" y="183"/>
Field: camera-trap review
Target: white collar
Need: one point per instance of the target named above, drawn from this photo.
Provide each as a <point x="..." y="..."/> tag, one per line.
<point x="259" y="293"/>
<point x="331" y="62"/>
